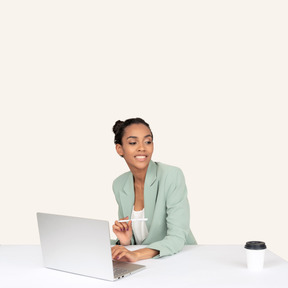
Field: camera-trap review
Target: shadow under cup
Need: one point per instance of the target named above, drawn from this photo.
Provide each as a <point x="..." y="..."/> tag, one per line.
<point x="255" y="254"/>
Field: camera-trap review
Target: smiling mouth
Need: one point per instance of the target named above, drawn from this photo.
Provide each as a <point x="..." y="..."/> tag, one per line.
<point x="141" y="157"/>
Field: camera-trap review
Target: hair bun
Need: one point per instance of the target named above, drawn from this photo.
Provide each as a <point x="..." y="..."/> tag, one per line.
<point x="117" y="126"/>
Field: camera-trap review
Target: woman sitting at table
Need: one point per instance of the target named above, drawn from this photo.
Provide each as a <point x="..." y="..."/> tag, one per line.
<point x="149" y="190"/>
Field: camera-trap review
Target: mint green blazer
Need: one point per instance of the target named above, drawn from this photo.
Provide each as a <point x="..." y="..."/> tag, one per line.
<point x="166" y="207"/>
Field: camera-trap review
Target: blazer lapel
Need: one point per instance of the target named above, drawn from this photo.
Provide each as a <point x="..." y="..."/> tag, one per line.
<point x="150" y="192"/>
<point x="127" y="196"/>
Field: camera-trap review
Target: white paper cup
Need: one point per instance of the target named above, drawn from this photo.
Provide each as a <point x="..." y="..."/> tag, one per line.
<point x="255" y="255"/>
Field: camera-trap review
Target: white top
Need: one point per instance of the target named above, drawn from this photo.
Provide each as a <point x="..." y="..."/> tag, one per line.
<point x="139" y="227"/>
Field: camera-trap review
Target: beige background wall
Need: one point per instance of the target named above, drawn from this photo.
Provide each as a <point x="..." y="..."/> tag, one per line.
<point x="209" y="76"/>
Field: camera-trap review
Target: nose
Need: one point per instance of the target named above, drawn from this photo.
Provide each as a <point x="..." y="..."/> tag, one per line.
<point x="140" y="147"/>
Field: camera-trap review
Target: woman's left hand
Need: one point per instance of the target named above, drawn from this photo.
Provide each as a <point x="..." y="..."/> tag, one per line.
<point x="120" y="253"/>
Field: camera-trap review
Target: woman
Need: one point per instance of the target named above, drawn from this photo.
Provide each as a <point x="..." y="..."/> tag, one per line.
<point x="149" y="190"/>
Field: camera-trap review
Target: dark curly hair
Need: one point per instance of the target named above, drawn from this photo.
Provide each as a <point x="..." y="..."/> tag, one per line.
<point x="119" y="128"/>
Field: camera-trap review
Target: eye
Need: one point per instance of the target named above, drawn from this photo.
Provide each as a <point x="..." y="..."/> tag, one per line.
<point x="148" y="142"/>
<point x="132" y="143"/>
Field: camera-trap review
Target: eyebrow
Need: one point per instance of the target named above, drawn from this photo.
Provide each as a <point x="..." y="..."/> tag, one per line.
<point x="135" y="137"/>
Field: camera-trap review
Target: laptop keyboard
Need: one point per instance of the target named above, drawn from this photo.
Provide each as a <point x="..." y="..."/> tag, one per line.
<point x="118" y="269"/>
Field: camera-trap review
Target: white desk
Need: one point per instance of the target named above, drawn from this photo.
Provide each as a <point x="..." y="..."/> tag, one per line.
<point x="195" y="266"/>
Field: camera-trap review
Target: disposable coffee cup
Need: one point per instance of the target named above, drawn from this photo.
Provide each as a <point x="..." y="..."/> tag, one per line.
<point x="255" y="254"/>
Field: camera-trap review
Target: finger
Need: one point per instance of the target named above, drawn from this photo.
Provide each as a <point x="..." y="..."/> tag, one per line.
<point x="117" y="247"/>
<point x="117" y="252"/>
<point x="120" y="226"/>
<point x="125" y="256"/>
<point x="125" y="226"/>
<point x="121" y="254"/>
<point x="116" y="228"/>
<point x="114" y="250"/>
<point x="114" y="254"/>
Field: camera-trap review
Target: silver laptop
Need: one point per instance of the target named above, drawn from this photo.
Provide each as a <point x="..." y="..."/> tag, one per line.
<point x="81" y="246"/>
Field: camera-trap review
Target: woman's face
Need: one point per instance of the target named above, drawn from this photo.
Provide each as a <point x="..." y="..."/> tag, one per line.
<point x="137" y="146"/>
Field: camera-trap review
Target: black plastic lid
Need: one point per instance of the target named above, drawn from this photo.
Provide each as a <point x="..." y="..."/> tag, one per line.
<point x="255" y="245"/>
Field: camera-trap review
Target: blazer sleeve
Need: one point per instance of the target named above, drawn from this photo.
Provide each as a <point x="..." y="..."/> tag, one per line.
<point x="178" y="215"/>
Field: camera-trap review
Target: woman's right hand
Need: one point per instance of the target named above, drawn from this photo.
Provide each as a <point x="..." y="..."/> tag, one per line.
<point x="123" y="231"/>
